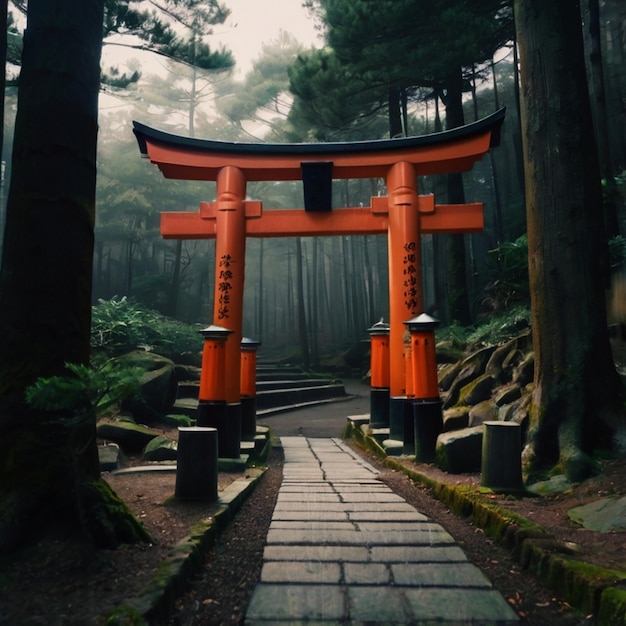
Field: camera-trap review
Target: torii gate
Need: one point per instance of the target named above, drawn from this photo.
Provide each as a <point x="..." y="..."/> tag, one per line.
<point x="403" y="215"/>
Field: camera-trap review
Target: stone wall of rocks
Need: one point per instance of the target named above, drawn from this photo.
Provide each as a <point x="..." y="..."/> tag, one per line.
<point x="492" y="383"/>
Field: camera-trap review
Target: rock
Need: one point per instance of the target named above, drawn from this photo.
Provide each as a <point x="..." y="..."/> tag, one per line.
<point x="516" y="411"/>
<point x="109" y="456"/>
<point x="474" y="364"/>
<point x="605" y="515"/>
<point x="472" y="367"/>
<point x="176" y="420"/>
<point x="485" y="411"/>
<point x="495" y="366"/>
<point x="450" y="398"/>
<point x="456" y="418"/>
<point x="447" y="374"/>
<point x="460" y="451"/>
<point x="188" y="372"/>
<point x="160" y="449"/>
<point x="478" y="390"/>
<point x="507" y="394"/>
<point x="554" y="485"/>
<point x="130" y="437"/>
<point x="159" y="385"/>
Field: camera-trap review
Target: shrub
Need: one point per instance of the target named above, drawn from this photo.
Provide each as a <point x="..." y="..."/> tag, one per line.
<point x="120" y="325"/>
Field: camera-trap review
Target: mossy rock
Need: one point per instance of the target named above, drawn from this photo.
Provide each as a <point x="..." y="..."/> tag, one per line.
<point x="161" y="449"/>
<point x="482" y="412"/>
<point x="447" y="374"/>
<point x="460" y="450"/>
<point x="456" y="418"/>
<point x="130" y="437"/>
<point x="176" y="420"/>
<point x="477" y="390"/>
<point x="159" y="385"/>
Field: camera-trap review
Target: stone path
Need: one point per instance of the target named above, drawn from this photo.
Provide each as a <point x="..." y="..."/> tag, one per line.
<point x="343" y="548"/>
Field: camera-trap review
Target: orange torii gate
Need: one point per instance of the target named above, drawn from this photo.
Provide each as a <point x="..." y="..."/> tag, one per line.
<point x="403" y="215"/>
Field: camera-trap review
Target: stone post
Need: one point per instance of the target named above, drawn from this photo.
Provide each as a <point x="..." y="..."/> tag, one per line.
<point x="197" y="464"/>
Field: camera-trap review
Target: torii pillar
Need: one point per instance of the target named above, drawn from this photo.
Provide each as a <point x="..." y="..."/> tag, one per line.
<point x="405" y="289"/>
<point x="403" y="215"/>
<point x="230" y="255"/>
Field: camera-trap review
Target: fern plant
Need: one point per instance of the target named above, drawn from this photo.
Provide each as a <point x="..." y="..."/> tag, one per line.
<point x="87" y="391"/>
<point x="120" y="325"/>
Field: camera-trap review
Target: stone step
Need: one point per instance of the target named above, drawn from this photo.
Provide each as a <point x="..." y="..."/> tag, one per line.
<point x="298" y="395"/>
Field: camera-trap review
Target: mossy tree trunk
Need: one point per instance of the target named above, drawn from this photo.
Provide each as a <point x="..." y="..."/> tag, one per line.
<point x="49" y="469"/>
<point x="576" y="400"/>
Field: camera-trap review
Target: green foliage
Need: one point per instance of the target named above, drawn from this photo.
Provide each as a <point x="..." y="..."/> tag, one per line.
<point x="501" y="328"/>
<point x="118" y="80"/>
<point x="125" y="616"/>
<point x="120" y="325"/>
<point x="378" y="49"/>
<point x="508" y="287"/>
<point x="86" y="391"/>
<point x="160" y="31"/>
<point x="495" y="330"/>
<point x="454" y="334"/>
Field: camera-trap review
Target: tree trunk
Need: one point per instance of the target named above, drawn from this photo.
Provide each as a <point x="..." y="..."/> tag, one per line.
<point x="314" y="303"/>
<point x="303" y="332"/>
<point x="3" y="63"/>
<point x="262" y="300"/>
<point x="497" y="205"/>
<point x="174" y="286"/>
<point x="395" y="114"/>
<point x="458" y="298"/>
<point x="601" y="122"/>
<point x="576" y="399"/>
<point x="49" y="470"/>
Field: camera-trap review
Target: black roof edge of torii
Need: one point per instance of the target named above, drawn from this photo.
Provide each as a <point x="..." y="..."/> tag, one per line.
<point x="492" y="122"/>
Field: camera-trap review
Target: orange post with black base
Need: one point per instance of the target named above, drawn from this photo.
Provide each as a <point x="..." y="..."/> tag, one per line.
<point x="212" y="395"/>
<point x="379" y="375"/>
<point x="248" y="388"/>
<point x="427" y="405"/>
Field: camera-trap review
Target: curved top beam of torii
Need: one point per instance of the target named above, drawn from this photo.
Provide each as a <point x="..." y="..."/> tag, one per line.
<point x="187" y="158"/>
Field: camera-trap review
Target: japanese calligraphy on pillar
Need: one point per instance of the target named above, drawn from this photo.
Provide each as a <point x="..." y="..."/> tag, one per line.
<point x="410" y="278"/>
<point x="224" y="286"/>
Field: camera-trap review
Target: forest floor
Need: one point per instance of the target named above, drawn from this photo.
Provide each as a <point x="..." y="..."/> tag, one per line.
<point x="56" y="583"/>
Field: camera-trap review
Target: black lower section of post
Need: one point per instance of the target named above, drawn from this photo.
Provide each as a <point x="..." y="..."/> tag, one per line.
<point x="401" y="422"/>
<point x="232" y="432"/>
<point x="428" y="425"/>
<point x="248" y="418"/>
<point x="210" y="414"/>
<point x="501" y="465"/>
<point x="196" y="467"/>
<point x="379" y="408"/>
<point x="227" y="419"/>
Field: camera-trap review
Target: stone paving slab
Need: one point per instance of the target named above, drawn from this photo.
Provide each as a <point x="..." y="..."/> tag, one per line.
<point x="342" y="548"/>
<point x="307" y="536"/>
<point x="339" y="554"/>
<point x="399" y="506"/>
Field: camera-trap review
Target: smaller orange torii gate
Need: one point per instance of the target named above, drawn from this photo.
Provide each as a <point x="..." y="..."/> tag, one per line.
<point x="403" y="215"/>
